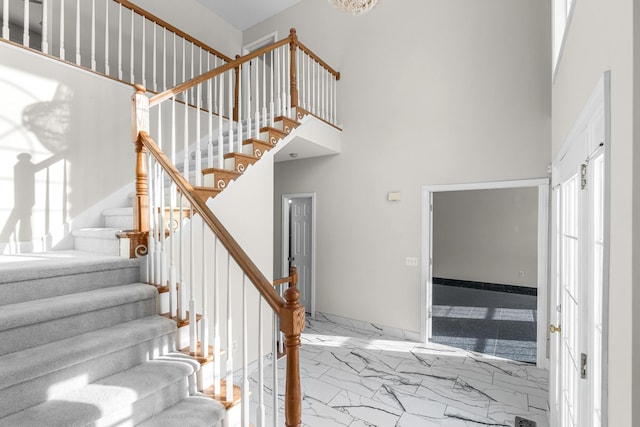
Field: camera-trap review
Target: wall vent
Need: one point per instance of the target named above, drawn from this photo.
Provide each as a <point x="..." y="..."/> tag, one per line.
<point x="523" y="422"/>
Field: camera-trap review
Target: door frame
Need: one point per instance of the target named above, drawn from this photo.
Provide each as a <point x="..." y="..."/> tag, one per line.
<point x="542" y="184"/>
<point x="285" y="242"/>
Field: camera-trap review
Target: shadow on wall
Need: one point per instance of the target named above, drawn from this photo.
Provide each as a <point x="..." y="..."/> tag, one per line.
<point x="40" y="190"/>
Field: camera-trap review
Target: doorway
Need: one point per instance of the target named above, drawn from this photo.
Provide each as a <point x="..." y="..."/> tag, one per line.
<point x="580" y="257"/>
<point x="538" y="270"/>
<point x="298" y="243"/>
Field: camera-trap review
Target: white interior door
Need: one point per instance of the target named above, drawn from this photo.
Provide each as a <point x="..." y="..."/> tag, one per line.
<point x="298" y="244"/>
<point x="578" y="273"/>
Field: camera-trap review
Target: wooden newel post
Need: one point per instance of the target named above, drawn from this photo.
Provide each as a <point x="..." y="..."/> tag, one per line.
<point x="292" y="318"/>
<point x="293" y="73"/>
<point x="139" y="236"/>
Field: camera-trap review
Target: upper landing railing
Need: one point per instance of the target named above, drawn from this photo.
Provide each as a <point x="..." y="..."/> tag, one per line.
<point x="111" y="37"/>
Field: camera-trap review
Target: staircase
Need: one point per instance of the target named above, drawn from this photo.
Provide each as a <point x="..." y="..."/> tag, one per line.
<point x="90" y="337"/>
<point x="82" y="345"/>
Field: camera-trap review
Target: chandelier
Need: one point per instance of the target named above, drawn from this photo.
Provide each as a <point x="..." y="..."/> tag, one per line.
<point x="354" y="7"/>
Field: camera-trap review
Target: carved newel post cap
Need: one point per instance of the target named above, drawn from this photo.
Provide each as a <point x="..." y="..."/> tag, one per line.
<point x="292" y="295"/>
<point x="292" y="31"/>
<point x="139" y="88"/>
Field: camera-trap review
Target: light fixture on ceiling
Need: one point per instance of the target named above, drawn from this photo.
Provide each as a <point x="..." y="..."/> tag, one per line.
<point x="354" y="7"/>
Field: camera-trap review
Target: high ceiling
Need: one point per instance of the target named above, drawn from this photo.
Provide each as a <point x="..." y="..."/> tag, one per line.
<point x="243" y="14"/>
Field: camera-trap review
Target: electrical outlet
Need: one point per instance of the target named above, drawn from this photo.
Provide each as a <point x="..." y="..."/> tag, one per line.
<point x="234" y="346"/>
<point x="411" y="261"/>
<point x="520" y="273"/>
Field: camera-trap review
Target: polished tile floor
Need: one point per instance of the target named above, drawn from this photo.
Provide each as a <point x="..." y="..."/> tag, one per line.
<point x="357" y="377"/>
<point x="495" y="323"/>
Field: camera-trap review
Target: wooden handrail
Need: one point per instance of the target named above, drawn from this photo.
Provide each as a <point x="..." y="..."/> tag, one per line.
<point x="171" y="28"/>
<point x="199" y="205"/>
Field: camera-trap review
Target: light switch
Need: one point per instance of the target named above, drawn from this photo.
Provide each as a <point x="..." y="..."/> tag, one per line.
<point x="394" y="196"/>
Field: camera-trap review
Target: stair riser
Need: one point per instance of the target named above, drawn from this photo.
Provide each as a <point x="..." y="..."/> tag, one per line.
<point x="123" y="222"/>
<point x="52" y="385"/>
<point x="97" y="246"/>
<point x="20" y="338"/>
<point x="28" y="290"/>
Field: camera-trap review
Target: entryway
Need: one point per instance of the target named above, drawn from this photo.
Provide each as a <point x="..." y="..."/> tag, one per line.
<point x="477" y="295"/>
<point x="298" y="243"/>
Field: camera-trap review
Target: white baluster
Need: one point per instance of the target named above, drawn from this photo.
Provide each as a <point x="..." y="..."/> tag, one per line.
<point x="244" y="419"/>
<point x="25" y="23"/>
<point x="230" y="111"/>
<point x="204" y="326"/>
<point x="45" y="26"/>
<point x="217" y="389"/>
<point x="120" y="41"/>
<point x="175" y="59"/>
<point x="132" y="76"/>
<point x="229" y="360"/>
<point x="155" y="58"/>
<point x="285" y="72"/>
<point x="335" y="101"/>
<point x="271" y="103"/>
<point x="93" y="35"/>
<point x="184" y="67"/>
<point x="106" y="36"/>
<point x="78" y="58"/>
<point x="173" y="274"/>
<point x="302" y="90"/>
<point x="257" y="98"/>
<point x="288" y="82"/>
<point x="264" y="91"/>
<point x="162" y="262"/>
<point x="193" y="333"/>
<point x="151" y="250"/>
<point x="210" y="133"/>
<point x="261" y="405"/>
<point x="181" y="312"/>
<point x="5" y="19"/>
<point x="274" y="368"/>
<point x="240" y="91"/>
<point x="278" y="70"/>
<point x="248" y="107"/>
<point x="198" y="165"/>
<point x="164" y="59"/>
<point x="143" y="58"/>
<point x="61" y="52"/>
<point x="220" y="135"/>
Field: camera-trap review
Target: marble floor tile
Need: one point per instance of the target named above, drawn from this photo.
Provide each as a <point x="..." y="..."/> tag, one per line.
<point x="360" y="378"/>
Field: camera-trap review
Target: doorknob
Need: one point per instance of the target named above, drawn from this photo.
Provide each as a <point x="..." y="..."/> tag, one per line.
<point x="553" y="328"/>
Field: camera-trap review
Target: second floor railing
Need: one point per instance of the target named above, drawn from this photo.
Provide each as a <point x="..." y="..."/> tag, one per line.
<point x="111" y="37"/>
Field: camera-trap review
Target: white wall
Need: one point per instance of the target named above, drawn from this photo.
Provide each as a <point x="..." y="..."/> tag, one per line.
<point x="431" y="93"/>
<point x="600" y="38"/>
<point x="73" y="128"/>
<point x="486" y="235"/>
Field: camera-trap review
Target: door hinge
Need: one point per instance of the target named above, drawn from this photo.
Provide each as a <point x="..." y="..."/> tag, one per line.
<point x="583" y="176"/>
<point x="583" y="365"/>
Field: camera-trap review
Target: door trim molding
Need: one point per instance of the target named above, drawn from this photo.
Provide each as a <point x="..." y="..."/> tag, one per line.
<point x="543" y="252"/>
<point x="285" y="242"/>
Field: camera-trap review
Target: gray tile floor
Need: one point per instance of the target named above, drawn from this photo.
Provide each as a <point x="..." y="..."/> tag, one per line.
<point x="490" y="322"/>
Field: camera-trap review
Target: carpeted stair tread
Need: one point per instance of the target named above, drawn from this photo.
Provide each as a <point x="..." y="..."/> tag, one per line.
<point x="107" y="397"/>
<point x="47" y="309"/>
<point x="38" y="361"/>
<point x="18" y="268"/>
<point x="36" y="276"/>
<point x="194" y="411"/>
